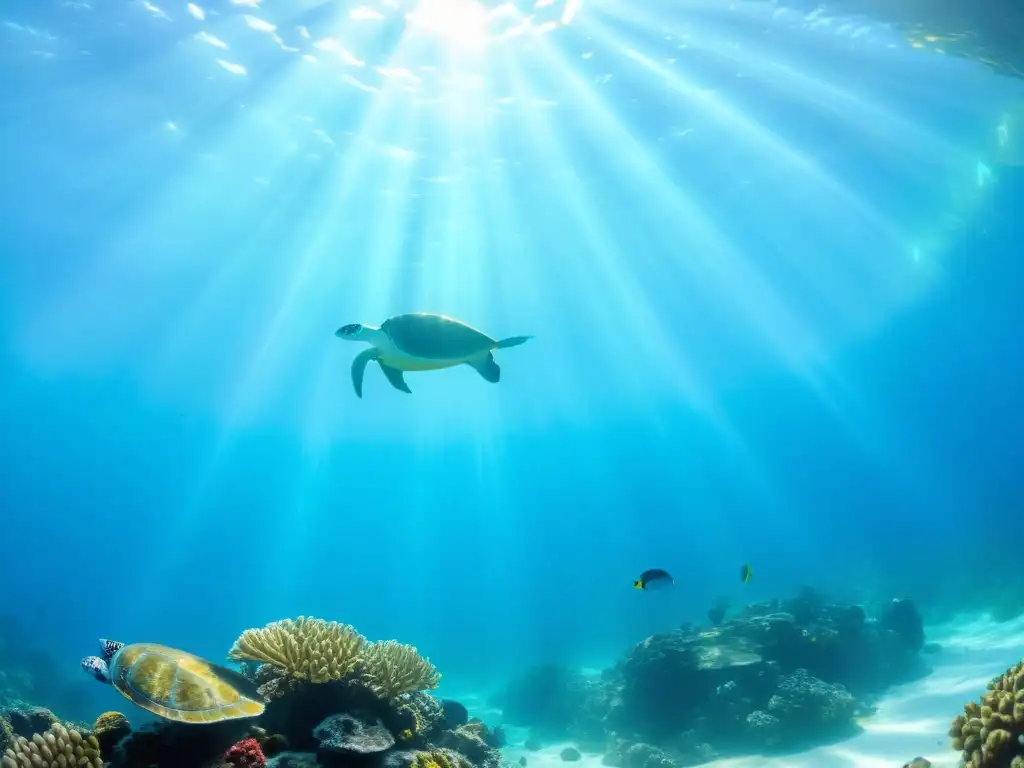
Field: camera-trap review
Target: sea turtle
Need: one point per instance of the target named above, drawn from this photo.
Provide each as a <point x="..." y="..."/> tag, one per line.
<point x="423" y="342"/>
<point x="174" y="684"/>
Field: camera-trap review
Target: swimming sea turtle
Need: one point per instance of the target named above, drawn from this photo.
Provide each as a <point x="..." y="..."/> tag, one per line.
<point x="423" y="342"/>
<point x="173" y="684"/>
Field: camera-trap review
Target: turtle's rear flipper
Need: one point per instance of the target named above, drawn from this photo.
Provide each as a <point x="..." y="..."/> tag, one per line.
<point x="513" y="341"/>
<point x="486" y="367"/>
<point x="396" y="378"/>
<point x="359" y="367"/>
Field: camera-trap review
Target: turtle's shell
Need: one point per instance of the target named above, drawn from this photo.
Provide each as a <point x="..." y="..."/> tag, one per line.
<point x="436" y="337"/>
<point x="179" y="686"/>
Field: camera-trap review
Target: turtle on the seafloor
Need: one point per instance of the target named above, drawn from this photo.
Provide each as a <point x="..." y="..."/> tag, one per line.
<point x="423" y="342"/>
<point x="174" y="684"/>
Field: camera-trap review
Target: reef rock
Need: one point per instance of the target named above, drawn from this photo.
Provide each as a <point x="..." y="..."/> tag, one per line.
<point x="454" y="714"/>
<point x="348" y="735"/>
<point x="293" y="760"/>
<point x="780" y="674"/>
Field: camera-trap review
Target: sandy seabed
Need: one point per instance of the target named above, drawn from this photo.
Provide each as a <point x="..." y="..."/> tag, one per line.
<point x="911" y="720"/>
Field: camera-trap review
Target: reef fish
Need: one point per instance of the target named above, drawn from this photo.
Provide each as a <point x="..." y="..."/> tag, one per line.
<point x="746" y="572"/>
<point x="655" y="578"/>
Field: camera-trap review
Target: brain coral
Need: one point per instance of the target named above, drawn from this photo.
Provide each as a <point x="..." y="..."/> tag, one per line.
<point x="990" y="734"/>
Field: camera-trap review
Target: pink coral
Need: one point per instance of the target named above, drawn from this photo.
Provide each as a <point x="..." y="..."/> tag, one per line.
<point x="246" y="754"/>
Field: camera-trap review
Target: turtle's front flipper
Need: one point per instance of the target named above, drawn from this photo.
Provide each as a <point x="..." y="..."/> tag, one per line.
<point x="359" y="367"/>
<point x="486" y="367"/>
<point x="396" y="378"/>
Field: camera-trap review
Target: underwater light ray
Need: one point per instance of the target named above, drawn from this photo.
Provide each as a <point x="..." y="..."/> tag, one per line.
<point x="597" y="239"/>
<point x="318" y="269"/>
<point x="515" y="280"/>
<point x="875" y="120"/>
<point x="353" y="172"/>
<point x="182" y="198"/>
<point x="461" y="251"/>
<point x="781" y="328"/>
<point x="610" y="290"/>
<point x="109" y="299"/>
<point x="220" y="284"/>
<point x="758" y="136"/>
<point x="848" y="407"/>
<point x="379" y="271"/>
<point x="723" y="272"/>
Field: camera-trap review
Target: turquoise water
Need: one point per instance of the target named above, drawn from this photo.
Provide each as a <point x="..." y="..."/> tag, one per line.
<point x="767" y="257"/>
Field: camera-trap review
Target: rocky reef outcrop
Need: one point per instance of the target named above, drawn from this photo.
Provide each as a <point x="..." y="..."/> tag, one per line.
<point x="778" y="676"/>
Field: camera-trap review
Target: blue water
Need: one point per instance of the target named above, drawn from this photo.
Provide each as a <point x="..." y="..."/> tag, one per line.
<point x="771" y="270"/>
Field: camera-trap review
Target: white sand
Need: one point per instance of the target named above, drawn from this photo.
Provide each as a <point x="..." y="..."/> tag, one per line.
<point x="911" y="720"/>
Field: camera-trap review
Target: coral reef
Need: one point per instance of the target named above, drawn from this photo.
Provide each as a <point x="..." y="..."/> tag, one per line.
<point x="291" y="653"/>
<point x="333" y="700"/>
<point x="991" y="734"/>
<point x="776" y="676"/>
<point x="58" y="747"/>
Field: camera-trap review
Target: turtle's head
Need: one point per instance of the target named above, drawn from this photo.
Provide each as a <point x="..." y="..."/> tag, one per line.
<point x="109" y="648"/>
<point x="96" y="667"/>
<point x="352" y="332"/>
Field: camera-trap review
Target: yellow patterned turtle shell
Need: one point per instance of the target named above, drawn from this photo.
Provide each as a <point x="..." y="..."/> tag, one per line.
<point x="178" y="686"/>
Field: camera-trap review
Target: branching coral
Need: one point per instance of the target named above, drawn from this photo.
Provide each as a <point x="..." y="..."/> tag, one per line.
<point x="305" y="649"/>
<point x="391" y="669"/>
<point x="990" y="734"/>
<point x="56" y="748"/>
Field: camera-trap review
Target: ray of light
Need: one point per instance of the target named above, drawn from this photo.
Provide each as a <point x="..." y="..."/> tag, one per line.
<point x="610" y="290"/>
<point x="265" y="360"/>
<point x="828" y="276"/>
<point x="914" y="138"/>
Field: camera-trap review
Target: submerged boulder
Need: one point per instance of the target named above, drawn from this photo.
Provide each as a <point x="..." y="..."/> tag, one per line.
<point x="349" y="735"/>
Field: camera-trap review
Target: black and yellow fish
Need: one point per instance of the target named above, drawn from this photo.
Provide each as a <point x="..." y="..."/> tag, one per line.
<point x="746" y="572"/>
<point x="655" y="578"/>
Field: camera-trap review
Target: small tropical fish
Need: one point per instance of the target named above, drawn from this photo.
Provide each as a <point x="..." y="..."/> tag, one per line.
<point x="746" y="572"/>
<point x="655" y="578"/>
